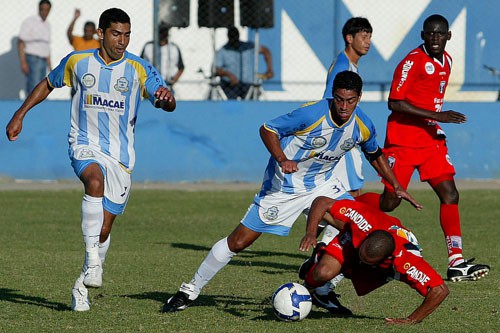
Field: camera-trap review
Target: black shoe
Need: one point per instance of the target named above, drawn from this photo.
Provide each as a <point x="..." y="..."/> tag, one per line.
<point x="178" y="302"/>
<point x="467" y="271"/>
<point x="306" y="265"/>
<point x="331" y="303"/>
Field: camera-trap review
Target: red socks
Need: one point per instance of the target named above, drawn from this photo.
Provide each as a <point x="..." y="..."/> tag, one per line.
<point x="450" y="223"/>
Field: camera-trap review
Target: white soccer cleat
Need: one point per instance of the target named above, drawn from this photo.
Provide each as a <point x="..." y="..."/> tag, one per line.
<point x="80" y="299"/>
<point x="93" y="276"/>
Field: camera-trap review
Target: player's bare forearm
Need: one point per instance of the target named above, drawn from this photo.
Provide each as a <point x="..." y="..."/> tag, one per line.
<point x="409" y="109"/>
<point x="431" y="302"/>
<point x="272" y="143"/>
<point x="15" y="125"/>
<point x="319" y="207"/>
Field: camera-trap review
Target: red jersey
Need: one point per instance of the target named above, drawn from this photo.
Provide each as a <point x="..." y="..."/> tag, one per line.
<point x="421" y="81"/>
<point x="407" y="262"/>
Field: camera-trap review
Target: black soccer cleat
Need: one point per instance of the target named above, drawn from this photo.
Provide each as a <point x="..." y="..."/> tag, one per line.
<point x="306" y="265"/>
<point x="178" y="302"/>
<point x="467" y="271"/>
<point x="331" y="303"/>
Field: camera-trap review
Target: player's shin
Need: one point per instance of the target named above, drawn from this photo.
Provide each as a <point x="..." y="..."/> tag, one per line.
<point x="218" y="257"/>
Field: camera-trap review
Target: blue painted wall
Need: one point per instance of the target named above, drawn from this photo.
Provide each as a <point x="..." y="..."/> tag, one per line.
<point x="219" y="141"/>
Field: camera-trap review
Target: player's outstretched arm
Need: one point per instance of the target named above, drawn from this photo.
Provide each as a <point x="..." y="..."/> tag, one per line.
<point x="164" y="99"/>
<point x="39" y="94"/>
<point x="320" y="206"/>
<point x="381" y="165"/>
<point x="431" y="302"/>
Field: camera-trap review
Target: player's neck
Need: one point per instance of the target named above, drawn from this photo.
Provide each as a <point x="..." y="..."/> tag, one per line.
<point x="352" y="55"/>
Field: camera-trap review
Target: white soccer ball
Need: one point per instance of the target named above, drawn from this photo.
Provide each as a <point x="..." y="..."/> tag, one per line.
<point x="292" y="302"/>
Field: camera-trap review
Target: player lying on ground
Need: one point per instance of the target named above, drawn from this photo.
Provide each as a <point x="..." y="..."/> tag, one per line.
<point x="371" y="249"/>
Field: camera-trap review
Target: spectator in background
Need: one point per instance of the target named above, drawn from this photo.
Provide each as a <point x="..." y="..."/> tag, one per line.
<point x="171" y="65"/>
<point x="234" y="64"/>
<point x="88" y="40"/>
<point x="34" y="46"/>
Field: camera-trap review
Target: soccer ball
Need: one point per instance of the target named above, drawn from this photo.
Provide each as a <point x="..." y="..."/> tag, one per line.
<point x="292" y="302"/>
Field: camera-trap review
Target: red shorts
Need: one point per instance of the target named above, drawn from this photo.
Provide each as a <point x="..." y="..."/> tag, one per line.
<point x="364" y="278"/>
<point x="431" y="163"/>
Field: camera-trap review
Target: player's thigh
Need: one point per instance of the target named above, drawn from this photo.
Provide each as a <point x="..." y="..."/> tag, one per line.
<point x="118" y="182"/>
<point x="436" y="164"/>
<point x="403" y="162"/>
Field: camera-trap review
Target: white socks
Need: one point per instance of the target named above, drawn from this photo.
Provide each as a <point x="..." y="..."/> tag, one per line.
<point x="92" y="219"/>
<point x="103" y="249"/>
<point x="218" y="257"/>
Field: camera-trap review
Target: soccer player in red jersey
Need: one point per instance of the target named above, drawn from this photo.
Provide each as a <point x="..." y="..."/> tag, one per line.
<point x="414" y="139"/>
<point x="372" y="249"/>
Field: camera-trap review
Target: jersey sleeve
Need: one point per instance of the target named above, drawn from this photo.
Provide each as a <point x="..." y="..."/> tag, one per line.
<point x="295" y="121"/>
<point x="404" y="75"/>
<point x="341" y="63"/>
<point x="149" y="77"/>
<point x="368" y="144"/>
<point x="416" y="272"/>
<point x="62" y="74"/>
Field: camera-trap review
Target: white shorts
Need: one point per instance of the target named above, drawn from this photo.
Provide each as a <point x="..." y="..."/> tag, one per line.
<point x="349" y="170"/>
<point x="117" y="178"/>
<point x="276" y="212"/>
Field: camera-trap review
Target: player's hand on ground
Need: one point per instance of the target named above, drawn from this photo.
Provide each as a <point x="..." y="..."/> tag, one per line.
<point x="14" y="128"/>
<point x="401" y="193"/>
<point x="289" y="166"/>
<point x="399" y="321"/>
<point x="451" y="117"/>
<point x="306" y="242"/>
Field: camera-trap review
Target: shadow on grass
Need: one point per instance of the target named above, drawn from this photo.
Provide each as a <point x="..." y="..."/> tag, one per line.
<point x="13" y="296"/>
<point x="243" y="258"/>
<point x="242" y="307"/>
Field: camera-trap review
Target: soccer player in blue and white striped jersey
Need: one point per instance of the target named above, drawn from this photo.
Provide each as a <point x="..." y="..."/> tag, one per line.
<point x="109" y="83"/>
<point x="305" y="145"/>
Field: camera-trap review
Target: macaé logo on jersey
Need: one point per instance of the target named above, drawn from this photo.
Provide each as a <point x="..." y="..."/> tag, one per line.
<point x="121" y="85"/>
<point x="404" y="73"/>
<point x="417" y="275"/>
<point x="318" y="142"/>
<point x="358" y="219"/>
<point x="325" y="157"/>
<point x="88" y="80"/>
<point x="348" y="144"/>
<point x="95" y="101"/>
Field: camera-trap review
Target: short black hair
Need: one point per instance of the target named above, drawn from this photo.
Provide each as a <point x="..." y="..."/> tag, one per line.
<point x="44" y="2"/>
<point x="89" y="24"/>
<point x="436" y="18"/>
<point x="355" y="25"/>
<point x="112" y="15"/>
<point x="379" y="243"/>
<point x="347" y="80"/>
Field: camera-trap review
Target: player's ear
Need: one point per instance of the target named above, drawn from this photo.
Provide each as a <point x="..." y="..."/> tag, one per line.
<point x="349" y="38"/>
<point x="422" y="34"/>
<point x="449" y="35"/>
<point x="100" y="33"/>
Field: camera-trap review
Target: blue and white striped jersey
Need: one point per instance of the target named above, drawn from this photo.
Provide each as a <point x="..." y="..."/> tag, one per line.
<point x="105" y="105"/>
<point x="340" y="64"/>
<point x="309" y="136"/>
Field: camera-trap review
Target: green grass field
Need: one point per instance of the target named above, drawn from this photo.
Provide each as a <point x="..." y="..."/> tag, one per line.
<point x="164" y="235"/>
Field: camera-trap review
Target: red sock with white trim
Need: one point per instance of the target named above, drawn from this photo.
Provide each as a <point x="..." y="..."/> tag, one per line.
<point x="450" y="223"/>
